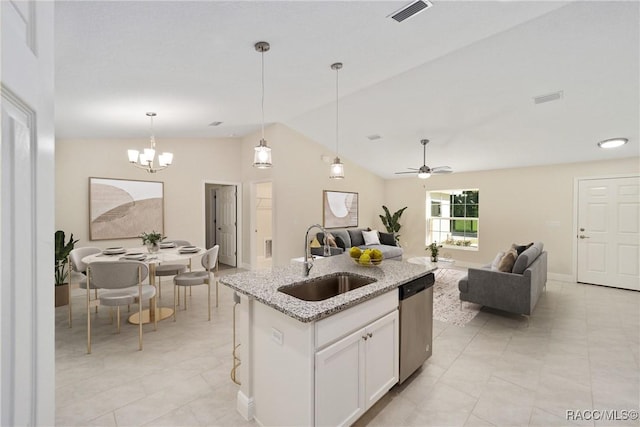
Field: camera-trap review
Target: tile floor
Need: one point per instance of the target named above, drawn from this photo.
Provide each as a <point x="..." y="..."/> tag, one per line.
<point x="580" y="350"/>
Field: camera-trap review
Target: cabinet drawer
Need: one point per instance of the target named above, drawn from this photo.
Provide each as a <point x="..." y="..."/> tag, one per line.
<point x="340" y="324"/>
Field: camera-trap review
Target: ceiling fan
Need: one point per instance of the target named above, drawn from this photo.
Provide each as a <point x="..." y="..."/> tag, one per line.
<point x="425" y="171"/>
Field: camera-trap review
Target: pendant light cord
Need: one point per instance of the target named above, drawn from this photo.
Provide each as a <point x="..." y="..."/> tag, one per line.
<point x="337" y="70"/>
<point x="153" y="138"/>
<point x="262" y="103"/>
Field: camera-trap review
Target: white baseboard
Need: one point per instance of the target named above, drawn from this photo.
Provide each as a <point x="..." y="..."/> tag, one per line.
<point x="558" y="277"/>
<point x="245" y="406"/>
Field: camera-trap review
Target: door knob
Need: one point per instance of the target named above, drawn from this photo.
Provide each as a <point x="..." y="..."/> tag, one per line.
<point x="582" y="236"/>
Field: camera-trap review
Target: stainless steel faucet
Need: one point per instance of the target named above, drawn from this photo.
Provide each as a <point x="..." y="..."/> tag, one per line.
<point x="308" y="259"/>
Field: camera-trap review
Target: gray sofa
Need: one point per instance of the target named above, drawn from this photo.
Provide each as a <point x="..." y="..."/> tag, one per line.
<point x="347" y="237"/>
<point x="515" y="292"/>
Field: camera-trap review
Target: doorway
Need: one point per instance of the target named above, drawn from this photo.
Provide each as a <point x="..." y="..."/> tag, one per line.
<point x="221" y="225"/>
<point x="263" y="230"/>
<point x="608" y="223"/>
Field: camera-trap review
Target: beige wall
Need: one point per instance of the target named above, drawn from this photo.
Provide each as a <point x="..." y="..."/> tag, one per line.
<point x="196" y="161"/>
<point x="299" y="176"/>
<point x="516" y="206"/>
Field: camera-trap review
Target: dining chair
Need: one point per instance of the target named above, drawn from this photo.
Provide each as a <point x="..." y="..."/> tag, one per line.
<point x="78" y="269"/>
<point x="122" y="284"/>
<point x="194" y="278"/>
<point x="171" y="269"/>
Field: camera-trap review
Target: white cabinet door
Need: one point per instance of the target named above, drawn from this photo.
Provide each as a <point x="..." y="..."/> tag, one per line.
<point x="382" y="357"/>
<point x="339" y="385"/>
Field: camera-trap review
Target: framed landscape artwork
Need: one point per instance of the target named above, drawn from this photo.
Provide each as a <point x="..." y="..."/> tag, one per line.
<point x="121" y="208"/>
<point x="339" y="209"/>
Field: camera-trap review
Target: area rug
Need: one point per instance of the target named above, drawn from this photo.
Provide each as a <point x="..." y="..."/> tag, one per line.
<point x="446" y="299"/>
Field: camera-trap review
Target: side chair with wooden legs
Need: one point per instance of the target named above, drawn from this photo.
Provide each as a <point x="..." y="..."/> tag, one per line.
<point x="122" y="284"/>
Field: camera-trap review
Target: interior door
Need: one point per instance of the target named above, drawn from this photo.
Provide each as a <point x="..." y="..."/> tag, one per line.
<point x="226" y="224"/>
<point x="27" y="330"/>
<point x="608" y="232"/>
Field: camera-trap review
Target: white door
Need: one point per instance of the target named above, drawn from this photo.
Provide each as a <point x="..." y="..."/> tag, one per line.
<point x="339" y="385"/>
<point x="381" y="356"/>
<point x="226" y="224"/>
<point x="608" y="232"/>
<point x="27" y="358"/>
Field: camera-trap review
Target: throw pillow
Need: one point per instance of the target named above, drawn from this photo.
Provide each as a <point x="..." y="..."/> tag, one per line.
<point x="507" y="261"/>
<point x="371" y="237"/>
<point x="331" y="241"/>
<point x="496" y="261"/>
<point x="520" y="248"/>
<point x="356" y="236"/>
<point x="340" y="242"/>
<point x="388" y="239"/>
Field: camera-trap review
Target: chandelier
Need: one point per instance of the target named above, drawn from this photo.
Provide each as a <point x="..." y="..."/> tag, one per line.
<point x="146" y="159"/>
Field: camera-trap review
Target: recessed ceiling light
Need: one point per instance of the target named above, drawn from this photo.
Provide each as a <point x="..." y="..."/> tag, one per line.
<point x="613" y="142"/>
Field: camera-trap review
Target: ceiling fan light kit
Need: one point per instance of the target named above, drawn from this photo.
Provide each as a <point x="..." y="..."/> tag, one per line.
<point x="425" y="171"/>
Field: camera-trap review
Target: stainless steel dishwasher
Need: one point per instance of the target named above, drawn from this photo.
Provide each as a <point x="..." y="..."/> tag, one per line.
<point x="416" y="324"/>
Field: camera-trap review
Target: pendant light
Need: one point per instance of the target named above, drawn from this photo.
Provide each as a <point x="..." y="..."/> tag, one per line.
<point x="262" y="154"/>
<point x="145" y="160"/>
<point x="337" y="168"/>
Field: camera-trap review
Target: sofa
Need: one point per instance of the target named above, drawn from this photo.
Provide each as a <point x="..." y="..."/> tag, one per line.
<point x="515" y="291"/>
<point x="345" y="238"/>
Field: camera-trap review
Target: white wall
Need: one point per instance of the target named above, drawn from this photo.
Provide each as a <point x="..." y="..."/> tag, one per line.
<point x="195" y="161"/>
<point x="516" y="206"/>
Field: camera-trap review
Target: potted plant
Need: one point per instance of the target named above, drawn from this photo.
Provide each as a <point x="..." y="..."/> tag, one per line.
<point x="434" y="248"/>
<point x="62" y="251"/>
<point x="391" y="222"/>
<point x="152" y="240"/>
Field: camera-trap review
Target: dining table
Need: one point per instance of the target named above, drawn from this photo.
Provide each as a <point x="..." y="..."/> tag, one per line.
<point x="152" y="259"/>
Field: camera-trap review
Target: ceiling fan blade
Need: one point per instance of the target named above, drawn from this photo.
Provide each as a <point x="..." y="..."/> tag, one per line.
<point x="398" y="173"/>
<point x="413" y="169"/>
<point x="442" y="169"/>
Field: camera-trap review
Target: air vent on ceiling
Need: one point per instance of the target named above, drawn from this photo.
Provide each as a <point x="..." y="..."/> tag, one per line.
<point x="547" y="98"/>
<point x="410" y="10"/>
<point x="215" y="123"/>
<point x="374" y="137"/>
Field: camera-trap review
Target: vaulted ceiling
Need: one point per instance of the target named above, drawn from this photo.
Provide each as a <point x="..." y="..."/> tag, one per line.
<point x="463" y="74"/>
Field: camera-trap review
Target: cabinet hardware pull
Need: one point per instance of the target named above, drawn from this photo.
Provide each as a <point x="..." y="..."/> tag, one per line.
<point x="364" y="337"/>
<point x="369" y="334"/>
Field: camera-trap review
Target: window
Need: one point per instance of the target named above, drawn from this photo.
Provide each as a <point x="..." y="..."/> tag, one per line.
<point x="453" y="218"/>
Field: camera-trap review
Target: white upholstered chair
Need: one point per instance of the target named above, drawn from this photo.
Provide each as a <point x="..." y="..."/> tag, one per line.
<point x="194" y="278"/>
<point x="122" y="284"/>
<point x="77" y="270"/>
<point x="164" y="270"/>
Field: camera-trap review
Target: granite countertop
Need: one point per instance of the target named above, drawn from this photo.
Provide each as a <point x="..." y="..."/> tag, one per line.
<point x="263" y="285"/>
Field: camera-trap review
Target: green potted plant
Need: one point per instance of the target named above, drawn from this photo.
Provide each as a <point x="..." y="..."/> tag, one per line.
<point x="62" y="251"/>
<point x="434" y="248"/>
<point x="152" y="240"/>
<point x="392" y="222"/>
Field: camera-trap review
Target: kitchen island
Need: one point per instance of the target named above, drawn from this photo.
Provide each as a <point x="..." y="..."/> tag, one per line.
<point x="317" y="362"/>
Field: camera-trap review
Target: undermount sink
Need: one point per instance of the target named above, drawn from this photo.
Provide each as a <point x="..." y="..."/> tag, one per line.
<point x="324" y="287"/>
